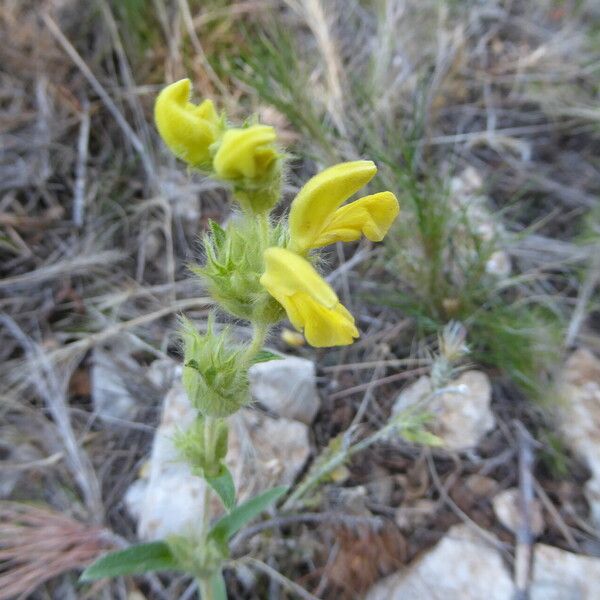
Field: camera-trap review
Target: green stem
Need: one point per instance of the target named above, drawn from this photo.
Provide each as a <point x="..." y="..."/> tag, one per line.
<point x="337" y="460"/>
<point x="259" y="335"/>
<point x="205" y="589"/>
<point x="210" y="428"/>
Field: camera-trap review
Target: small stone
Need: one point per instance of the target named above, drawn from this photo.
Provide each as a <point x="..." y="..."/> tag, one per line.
<point x="462" y="410"/>
<point x="508" y="512"/>
<point x="562" y="575"/>
<point x="578" y="417"/>
<point x="111" y="396"/>
<point x="462" y="566"/>
<point x="287" y="387"/>
<point x="411" y="517"/>
<point x="498" y="264"/>
<point x="481" y="486"/>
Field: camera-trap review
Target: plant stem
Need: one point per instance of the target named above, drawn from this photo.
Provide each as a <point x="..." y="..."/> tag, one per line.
<point x="337" y="460"/>
<point x="210" y="428"/>
<point x="205" y="589"/>
<point x="259" y="335"/>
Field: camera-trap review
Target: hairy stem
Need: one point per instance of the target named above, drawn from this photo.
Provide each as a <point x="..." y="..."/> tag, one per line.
<point x="259" y="335"/>
<point x="338" y="459"/>
<point x="205" y="589"/>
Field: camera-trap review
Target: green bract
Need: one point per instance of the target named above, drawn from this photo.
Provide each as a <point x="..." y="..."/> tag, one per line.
<point x="234" y="265"/>
<point x="215" y="371"/>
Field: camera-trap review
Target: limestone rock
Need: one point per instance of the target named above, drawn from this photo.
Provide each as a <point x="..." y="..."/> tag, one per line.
<point x="111" y="394"/>
<point x="562" y="575"/>
<point x="462" y="409"/>
<point x="462" y="566"/>
<point x="579" y="417"/>
<point x="506" y="508"/>
<point x="287" y="387"/>
<point x="263" y="452"/>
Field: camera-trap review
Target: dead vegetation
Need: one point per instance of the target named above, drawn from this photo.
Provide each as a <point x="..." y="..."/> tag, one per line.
<point x="98" y="224"/>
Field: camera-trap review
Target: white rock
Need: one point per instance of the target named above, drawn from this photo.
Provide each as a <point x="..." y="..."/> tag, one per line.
<point x="109" y="375"/>
<point x="462" y="566"/>
<point x="263" y="452"/>
<point x="508" y="512"/>
<point x="287" y="387"/>
<point x="498" y="264"/>
<point x="562" y="575"/>
<point x="462" y="409"/>
<point x="579" y="417"/>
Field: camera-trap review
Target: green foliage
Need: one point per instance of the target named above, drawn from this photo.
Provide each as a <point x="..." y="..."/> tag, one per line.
<point x="204" y="560"/>
<point x="193" y="446"/>
<point x="215" y="371"/>
<point x="141" y="558"/>
<point x="265" y="356"/>
<point x="234" y="265"/>
<point x="206" y="456"/>
<point x="230" y="524"/>
<point x="273" y="67"/>
<point x="223" y="484"/>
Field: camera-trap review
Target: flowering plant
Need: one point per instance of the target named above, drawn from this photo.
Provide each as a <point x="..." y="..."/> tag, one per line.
<point x="258" y="269"/>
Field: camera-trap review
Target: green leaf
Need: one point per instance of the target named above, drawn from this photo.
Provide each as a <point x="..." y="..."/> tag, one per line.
<point x="141" y="558"/>
<point x="224" y="486"/>
<point x="227" y="526"/>
<point x="217" y="585"/>
<point x="219" y="234"/>
<point x="265" y="356"/>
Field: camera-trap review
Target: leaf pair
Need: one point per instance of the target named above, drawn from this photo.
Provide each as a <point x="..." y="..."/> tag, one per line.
<point x="157" y="556"/>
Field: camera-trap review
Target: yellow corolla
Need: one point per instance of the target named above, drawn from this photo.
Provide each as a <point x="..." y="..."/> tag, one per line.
<point x="317" y="220"/>
<point x="246" y="152"/>
<point x="310" y="303"/>
<point x="187" y="129"/>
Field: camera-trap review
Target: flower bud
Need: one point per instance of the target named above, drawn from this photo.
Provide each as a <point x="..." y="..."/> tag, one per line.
<point x="193" y="447"/>
<point x="248" y="159"/>
<point x="246" y="153"/>
<point x="187" y="129"/>
<point x="215" y="371"/>
<point x="234" y="265"/>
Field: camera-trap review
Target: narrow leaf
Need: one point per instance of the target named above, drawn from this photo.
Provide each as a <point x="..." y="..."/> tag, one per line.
<point x="224" y="486"/>
<point x="218" y="232"/>
<point x="265" y="356"/>
<point x="141" y="558"/>
<point x="225" y="527"/>
<point x="217" y="584"/>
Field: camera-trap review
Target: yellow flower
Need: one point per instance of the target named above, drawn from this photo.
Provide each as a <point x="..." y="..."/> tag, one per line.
<point x="310" y="303"/>
<point x="246" y="153"/>
<point x="187" y="129"/>
<point x="317" y="220"/>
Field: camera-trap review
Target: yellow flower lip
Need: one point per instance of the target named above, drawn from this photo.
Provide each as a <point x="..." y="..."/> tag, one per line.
<point x="246" y="152"/>
<point x="317" y="220"/>
<point x="187" y="129"/>
<point x="310" y="303"/>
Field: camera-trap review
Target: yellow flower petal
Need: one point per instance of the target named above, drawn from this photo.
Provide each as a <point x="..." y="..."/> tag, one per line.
<point x="286" y="273"/>
<point x="371" y="216"/>
<point x="247" y="152"/>
<point x="188" y="130"/>
<point x="321" y="196"/>
<point x="322" y="327"/>
<point x="310" y="303"/>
